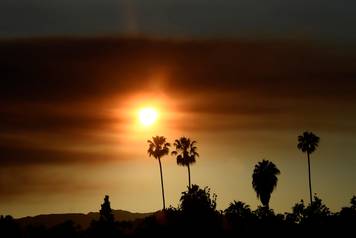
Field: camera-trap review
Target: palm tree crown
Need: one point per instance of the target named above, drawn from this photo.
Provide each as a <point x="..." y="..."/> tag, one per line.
<point x="158" y="147"/>
<point x="264" y="180"/>
<point x="308" y="142"/>
<point x="185" y="151"/>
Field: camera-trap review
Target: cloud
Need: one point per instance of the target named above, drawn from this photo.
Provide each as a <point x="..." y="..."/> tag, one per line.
<point x="62" y="92"/>
<point x="42" y="180"/>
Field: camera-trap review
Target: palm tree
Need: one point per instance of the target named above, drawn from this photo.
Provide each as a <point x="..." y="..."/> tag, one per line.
<point x="186" y="153"/>
<point x="158" y="147"/>
<point x="307" y="143"/>
<point x="264" y="180"/>
<point x="238" y="210"/>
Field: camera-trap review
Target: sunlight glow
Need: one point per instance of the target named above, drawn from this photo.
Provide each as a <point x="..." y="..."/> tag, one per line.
<point x="147" y="116"/>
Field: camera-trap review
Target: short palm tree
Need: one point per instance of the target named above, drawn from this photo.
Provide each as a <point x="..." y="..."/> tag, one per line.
<point x="157" y="148"/>
<point x="186" y="153"/>
<point x="238" y="210"/>
<point x="307" y="143"/>
<point x="264" y="180"/>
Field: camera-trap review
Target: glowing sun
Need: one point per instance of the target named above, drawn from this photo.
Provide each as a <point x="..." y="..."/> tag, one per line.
<point x="147" y="116"/>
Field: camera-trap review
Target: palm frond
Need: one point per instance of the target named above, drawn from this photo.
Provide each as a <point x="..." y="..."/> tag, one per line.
<point x="158" y="147"/>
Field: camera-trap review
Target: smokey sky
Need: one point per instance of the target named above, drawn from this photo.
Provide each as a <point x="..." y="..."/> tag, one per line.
<point x="67" y="123"/>
<point x="327" y="21"/>
<point x="68" y="137"/>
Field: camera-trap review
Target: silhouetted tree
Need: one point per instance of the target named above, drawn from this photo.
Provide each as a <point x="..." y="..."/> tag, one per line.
<point x="347" y="216"/>
<point x="238" y="211"/>
<point x="297" y="214"/>
<point x="186" y="153"/>
<point x="353" y="202"/>
<point x="316" y="212"/>
<point x="106" y="214"/>
<point x="263" y="212"/>
<point x="307" y="143"/>
<point x="197" y="200"/>
<point x="239" y="217"/>
<point x="199" y="213"/>
<point x="264" y="180"/>
<point x="158" y="147"/>
<point x="106" y="225"/>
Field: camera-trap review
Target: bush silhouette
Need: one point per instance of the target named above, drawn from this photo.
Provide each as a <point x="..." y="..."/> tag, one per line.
<point x="198" y="209"/>
<point x="197" y="201"/>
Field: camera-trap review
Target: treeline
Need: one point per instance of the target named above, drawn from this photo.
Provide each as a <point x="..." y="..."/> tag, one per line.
<point x="197" y="215"/>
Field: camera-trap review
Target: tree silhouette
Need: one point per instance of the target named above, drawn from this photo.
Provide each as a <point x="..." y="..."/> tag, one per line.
<point x="186" y="153"/>
<point x="264" y="180"/>
<point x="106" y="214"/>
<point x="106" y="226"/>
<point x="238" y="210"/>
<point x="198" y="207"/>
<point x="353" y="202"/>
<point x="158" y="147"/>
<point x="316" y="212"/>
<point x="297" y="214"/>
<point x="307" y="143"/>
<point x="197" y="200"/>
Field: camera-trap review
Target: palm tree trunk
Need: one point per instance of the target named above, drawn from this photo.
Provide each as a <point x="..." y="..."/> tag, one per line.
<point x="160" y="169"/>
<point x="310" y="186"/>
<point x="189" y="174"/>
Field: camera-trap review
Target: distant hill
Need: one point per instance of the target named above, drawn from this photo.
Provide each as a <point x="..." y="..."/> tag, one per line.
<point x="83" y="220"/>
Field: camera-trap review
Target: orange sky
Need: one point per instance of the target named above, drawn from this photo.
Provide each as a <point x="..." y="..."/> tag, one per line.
<point x="70" y="134"/>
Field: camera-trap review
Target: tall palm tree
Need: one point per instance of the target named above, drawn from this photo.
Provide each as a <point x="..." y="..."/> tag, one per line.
<point x="186" y="153"/>
<point x="264" y="180"/>
<point x="157" y="148"/>
<point x="307" y="143"/>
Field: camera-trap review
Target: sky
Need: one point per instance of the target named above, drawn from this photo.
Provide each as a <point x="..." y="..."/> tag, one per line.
<point x="242" y="78"/>
<point x="312" y="19"/>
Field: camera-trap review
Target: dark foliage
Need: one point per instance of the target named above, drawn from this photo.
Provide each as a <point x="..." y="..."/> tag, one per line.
<point x="197" y="216"/>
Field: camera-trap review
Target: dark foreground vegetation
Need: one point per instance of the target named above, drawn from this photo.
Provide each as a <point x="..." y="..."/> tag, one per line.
<point x="197" y="216"/>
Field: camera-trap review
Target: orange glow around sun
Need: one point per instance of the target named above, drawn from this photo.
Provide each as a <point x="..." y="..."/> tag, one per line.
<point x="142" y="115"/>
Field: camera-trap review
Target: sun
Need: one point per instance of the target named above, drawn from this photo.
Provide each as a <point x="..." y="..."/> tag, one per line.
<point x="147" y="116"/>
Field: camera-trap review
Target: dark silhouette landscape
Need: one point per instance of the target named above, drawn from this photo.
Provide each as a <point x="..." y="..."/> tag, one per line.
<point x="177" y="118"/>
<point x="197" y="212"/>
<point x="196" y="215"/>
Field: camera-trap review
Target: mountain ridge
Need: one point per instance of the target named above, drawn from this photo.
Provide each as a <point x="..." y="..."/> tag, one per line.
<point x="81" y="219"/>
